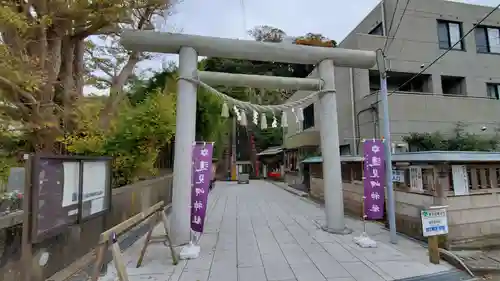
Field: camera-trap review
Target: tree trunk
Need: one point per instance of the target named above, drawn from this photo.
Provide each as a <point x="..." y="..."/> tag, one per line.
<point x="116" y="92"/>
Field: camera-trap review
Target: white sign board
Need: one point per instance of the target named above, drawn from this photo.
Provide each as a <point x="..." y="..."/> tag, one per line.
<point x="70" y="184"/>
<point x="94" y="185"/>
<point x="416" y="178"/>
<point x="434" y="222"/>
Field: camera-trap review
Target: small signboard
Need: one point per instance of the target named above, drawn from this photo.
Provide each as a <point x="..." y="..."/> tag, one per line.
<point x="398" y="176"/>
<point x="434" y="222"/>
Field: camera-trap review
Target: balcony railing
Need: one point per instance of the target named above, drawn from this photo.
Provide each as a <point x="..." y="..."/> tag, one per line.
<point x="464" y="96"/>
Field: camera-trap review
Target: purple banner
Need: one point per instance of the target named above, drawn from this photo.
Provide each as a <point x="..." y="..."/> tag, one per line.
<point x="374" y="179"/>
<point x="202" y="174"/>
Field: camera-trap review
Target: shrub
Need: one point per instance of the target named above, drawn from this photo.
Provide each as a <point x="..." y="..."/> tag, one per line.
<point x="134" y="138"/>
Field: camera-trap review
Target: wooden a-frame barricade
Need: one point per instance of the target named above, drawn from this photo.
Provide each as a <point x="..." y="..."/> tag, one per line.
<point x="151" y="217"/>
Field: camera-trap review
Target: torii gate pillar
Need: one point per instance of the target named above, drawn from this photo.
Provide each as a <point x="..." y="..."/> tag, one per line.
<point x="330" y="151"/>
<point x="185" y="133"/>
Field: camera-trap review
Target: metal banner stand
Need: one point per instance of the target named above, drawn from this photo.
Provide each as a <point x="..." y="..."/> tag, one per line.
<point x="364" y="241"/>
<point x="191" y="250"/>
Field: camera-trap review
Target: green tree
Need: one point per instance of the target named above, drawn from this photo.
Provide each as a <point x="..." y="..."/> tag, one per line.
<point x="208" y="107"/>
<point x="133" y="138"/>
<point x="45" y="62"/>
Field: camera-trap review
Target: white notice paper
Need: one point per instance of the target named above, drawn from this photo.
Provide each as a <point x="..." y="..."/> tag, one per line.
<point x="95" y="180"/>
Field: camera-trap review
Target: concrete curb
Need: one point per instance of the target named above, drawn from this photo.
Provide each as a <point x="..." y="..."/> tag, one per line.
<point x="289" y="189"/>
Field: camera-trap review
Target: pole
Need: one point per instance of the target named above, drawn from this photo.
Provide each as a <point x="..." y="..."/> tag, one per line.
<point x="334" y="199"/>
<point x="26" y="246"/>
<point x="233" y="149"/>
<point x="391" y="209"/>
<point x="384" y="23"/>
<point x="185" y="130"/>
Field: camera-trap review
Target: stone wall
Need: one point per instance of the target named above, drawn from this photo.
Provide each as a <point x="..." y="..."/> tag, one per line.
<point x="408" y="205"/>
<point x="474" y="220"/>
<point x="77" y="241"/>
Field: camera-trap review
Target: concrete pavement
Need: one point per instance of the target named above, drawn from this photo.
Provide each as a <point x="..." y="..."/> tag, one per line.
<point x="260" y="232"/>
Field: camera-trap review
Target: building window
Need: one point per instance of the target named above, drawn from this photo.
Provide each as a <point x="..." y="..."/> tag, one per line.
<point x="487" y="39"/>
<point x="453" y="85"/>
<point x="378" y="30"/>
<point x="308" y="121"/>
<point x="449" y="33"/>
<point x="345" y="149"/>
<point x="493" y="91"/>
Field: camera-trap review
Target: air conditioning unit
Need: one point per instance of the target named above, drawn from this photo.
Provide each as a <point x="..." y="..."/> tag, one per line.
<point x="399" y="147"/>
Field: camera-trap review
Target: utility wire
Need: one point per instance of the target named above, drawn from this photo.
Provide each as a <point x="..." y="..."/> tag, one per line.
<point x="445" y="52"/>
<point x="397" y="27"/>
<point x="244" y="17"/>
<point x="388" y="31"/>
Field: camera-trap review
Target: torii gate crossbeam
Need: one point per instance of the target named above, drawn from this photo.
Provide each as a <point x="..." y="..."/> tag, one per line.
<point x="189" y="47"/>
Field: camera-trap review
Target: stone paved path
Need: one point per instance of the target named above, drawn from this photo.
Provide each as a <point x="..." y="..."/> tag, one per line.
<point x="259" y="232"/>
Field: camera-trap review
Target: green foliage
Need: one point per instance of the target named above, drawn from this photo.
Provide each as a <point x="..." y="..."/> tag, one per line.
<point x="207" y="109"/>
<point x="460" y="140"/>
<point x="37" y="88"/>
<point x="134" y="139"/>
<point x="5" y="164"/>
<point x="12" y="143"/>
<point x="268" y="137"/>
<point x="209" y="124"/>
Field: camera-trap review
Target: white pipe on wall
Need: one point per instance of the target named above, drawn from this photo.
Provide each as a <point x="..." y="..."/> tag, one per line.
<point x="353" y="110"/>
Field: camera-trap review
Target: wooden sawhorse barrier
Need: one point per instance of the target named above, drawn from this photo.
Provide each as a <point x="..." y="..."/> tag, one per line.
<point x="154" y="215"/>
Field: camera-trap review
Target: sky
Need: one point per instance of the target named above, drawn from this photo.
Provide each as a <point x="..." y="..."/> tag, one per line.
<point x="231" y="18"/>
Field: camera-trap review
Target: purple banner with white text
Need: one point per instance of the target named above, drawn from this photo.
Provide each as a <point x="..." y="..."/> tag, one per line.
<point x="374" y="179"/>
<point x="202" y="174"/>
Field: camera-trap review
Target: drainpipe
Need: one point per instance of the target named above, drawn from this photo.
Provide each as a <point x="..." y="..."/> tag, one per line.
<point x="353" y="110"/>
<point x="375" y="120"/>
<point x="374" y="114"/>
<point x="382" y="12"/>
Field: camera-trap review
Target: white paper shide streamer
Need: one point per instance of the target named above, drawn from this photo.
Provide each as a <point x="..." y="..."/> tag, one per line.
<point x="237" y="112"/>
<point x="263" y="121"/>
<point x="241" y="108"/>
<point x="225" y="110"/>
<point x="255" y="117"/>
<point x="300" y="114"/>
<point x="243" y="121"/>
<point x="284" y="121"/>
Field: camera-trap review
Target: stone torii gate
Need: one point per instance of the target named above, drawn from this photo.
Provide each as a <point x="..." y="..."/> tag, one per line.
<point x="189" y="47"/>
